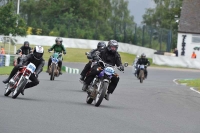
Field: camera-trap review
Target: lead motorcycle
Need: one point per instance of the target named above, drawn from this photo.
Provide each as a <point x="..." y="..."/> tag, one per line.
<point x="17" y="83"/>
<point x="99" y="86"/>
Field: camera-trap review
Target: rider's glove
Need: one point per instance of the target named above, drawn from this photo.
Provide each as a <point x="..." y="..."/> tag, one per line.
<point x="64" y="52"/>
<point x="96" y="58"/>
<point x="121" y="68"/>
<point x="49" y="50"/>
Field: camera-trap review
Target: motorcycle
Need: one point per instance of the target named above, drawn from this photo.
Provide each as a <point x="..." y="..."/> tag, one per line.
<point x="54" y="68"/>
<point x="22" y="56"/>
<point x="17" y="83"/>
<point x="97" y="90"/>
<point x="15" y="60"/>
<point x="141" y="75"/>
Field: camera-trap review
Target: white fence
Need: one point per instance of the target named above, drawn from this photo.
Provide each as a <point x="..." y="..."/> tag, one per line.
<point x="176" y="61"/>
<point x="123" y="47"/>
<point x="83" y="43"/>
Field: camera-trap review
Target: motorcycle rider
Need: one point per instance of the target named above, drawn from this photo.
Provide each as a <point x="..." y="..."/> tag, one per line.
<point x="24" y="50"/>
<point x="100" y="47"/>
<point x="143" y="61"/>
<point x="58" y="47"/>
<point x="110" y="56"/>
<point x="37" y="60"/>
<point x="135" y="65"/>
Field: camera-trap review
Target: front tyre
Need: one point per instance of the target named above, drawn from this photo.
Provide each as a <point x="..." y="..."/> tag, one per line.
<point x="101" y="93"/>
<point x="19" y="88"/>
<point x="53" y="67"/>
<point x="141" y="76"/>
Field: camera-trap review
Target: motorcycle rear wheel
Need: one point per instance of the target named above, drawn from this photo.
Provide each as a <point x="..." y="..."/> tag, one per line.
<point x="7" y="90"/>
<point x="89" y="100"/>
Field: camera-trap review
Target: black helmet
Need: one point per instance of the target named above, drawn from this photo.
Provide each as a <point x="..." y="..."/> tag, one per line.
<point x="143" y="55"/>
<point x="101" y="45"/>
<point x="112" y="46"/>
<point x="26" y="43"/>
<point x="38" y="52"/>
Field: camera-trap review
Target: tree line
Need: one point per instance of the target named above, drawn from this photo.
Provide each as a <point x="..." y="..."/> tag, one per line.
<point x="91" y="19"/>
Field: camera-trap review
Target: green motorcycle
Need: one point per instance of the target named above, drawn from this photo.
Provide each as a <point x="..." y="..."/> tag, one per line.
<point x="54" y="68"/>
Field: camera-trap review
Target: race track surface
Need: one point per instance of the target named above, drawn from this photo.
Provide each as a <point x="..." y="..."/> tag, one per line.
<point x="156" y="106"/>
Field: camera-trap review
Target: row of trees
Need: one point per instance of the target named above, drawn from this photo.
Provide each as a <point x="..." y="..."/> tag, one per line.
<point x="91" y="19"/>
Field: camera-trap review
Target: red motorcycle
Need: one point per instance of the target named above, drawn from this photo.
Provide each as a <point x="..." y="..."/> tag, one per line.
<point x="17" y="83"/>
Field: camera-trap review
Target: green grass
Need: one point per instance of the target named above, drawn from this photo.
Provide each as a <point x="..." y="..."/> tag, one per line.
<point x="5" y="70"/>
<point x="73" y="54"/>
<point x="191" y="82"/>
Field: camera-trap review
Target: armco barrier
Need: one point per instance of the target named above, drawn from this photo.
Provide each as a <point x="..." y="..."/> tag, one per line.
<point x="83" y="43"/>
<point x="2" y="60"/>
<point x="123" y="47"/>
<point x="7" y="60"/>
<point x="176" y="61"/>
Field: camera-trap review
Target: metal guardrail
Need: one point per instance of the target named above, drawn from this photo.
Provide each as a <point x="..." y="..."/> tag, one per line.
<point x="7" y="60"/>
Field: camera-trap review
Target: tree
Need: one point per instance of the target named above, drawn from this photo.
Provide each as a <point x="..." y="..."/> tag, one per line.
<point x="162" y="16"/>
<point x="91" y="19"/>
<point x="8" y="21"/>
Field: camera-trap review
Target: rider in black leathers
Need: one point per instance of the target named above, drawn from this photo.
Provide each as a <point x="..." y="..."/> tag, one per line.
<point x="37" y="60"/>
<point x="110" y="56"/>
<point x="24" y="50"/>
<point x="100" y="47"/>
<point x="143" y="61"/>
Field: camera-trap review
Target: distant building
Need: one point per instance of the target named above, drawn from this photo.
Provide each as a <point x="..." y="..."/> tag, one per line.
<point x="189" y="29"/>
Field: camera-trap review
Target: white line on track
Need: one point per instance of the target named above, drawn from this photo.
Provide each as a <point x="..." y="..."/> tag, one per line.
<point x="191" y="88"/>
<point x="175" y="81"/>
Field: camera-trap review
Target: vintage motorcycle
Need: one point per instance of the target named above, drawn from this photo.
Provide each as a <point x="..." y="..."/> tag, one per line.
<point x="141" y="75"/>
<point x="98" y="87"/>
<point x="54" y="68"/>
<point x="17" y="83"/>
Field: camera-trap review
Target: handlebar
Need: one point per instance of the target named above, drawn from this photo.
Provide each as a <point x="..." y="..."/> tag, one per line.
<point x="55" y="52"/>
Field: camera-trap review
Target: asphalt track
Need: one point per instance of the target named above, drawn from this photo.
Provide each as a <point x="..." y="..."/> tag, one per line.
<point x="156" y="106"/>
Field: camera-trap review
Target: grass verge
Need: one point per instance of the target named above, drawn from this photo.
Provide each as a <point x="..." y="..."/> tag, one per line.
<point x="191" y="82"/>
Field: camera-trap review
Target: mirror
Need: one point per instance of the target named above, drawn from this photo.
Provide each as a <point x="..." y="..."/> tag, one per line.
<point x="125" y="64"/>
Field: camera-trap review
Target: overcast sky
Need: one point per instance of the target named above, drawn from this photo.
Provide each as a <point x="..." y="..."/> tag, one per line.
<point x="137" y="8"/>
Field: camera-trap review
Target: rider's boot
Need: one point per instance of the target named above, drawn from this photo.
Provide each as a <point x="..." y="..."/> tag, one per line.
<point x="82" y="78"/>
<point x="22" y="92"/>
<point x="10" y="76"/>
<point x="6" y="80"/>
<point x="49" y="62"/>
<point x="60" y="72"/>
<point x="85" y="87"/>
<point x="107" y="96"/>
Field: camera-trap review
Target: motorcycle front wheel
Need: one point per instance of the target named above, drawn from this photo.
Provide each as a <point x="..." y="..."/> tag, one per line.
<point x="53" y="67"/>
<point x="19" y="88"/>
<point x="101" y="93"/>
<point x="141" y="76"/>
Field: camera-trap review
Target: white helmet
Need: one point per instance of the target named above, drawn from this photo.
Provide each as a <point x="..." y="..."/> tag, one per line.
<point x="38" y="52"/>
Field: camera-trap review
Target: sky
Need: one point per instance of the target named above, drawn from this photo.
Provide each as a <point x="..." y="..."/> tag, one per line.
<point x="137" y="8"/>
